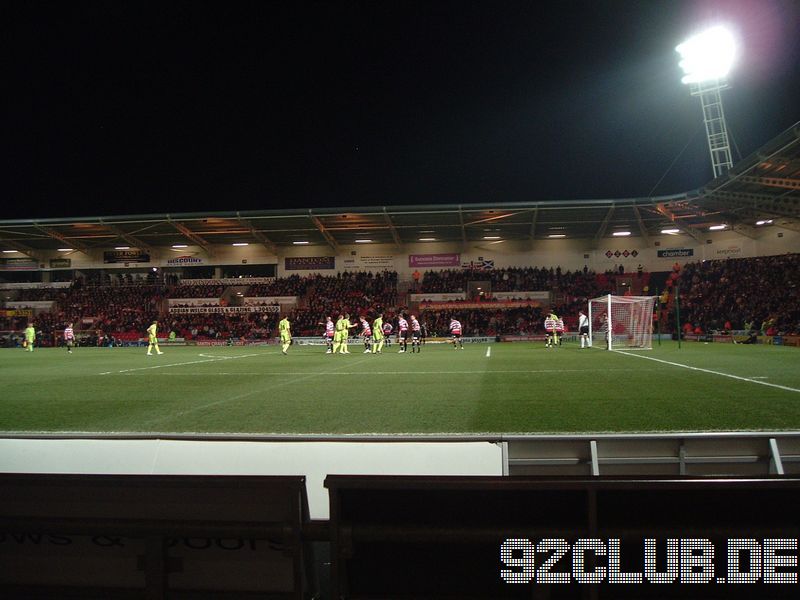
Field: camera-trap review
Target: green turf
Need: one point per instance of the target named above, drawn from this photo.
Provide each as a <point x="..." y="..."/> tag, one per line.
<point x="520" y="388"/>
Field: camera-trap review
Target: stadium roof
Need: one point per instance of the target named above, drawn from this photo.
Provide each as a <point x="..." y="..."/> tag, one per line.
<point x="763" y="187"/>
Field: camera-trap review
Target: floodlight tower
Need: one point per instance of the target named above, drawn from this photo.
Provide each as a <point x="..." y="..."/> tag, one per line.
<point x="706" y="60"/>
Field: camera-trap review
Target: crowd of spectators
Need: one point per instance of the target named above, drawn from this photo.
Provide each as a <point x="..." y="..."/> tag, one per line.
<point x="512" y="279"/>
<point x="194" y="291"/>
<point x="759" y="293"/>
<point x="354" y="293"/>
<point x="742" y="294"/>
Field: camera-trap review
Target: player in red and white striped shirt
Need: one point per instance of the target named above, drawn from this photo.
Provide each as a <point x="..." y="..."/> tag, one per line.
<point x="402" y="333"/>
<point x="387" y="333"/>
<point x="455" y="331"/>
<point x="69" y="337"/>
<point x="416" y="334"/>
<point x="328" y="336"/>
<point x="366" y="333"/>
<point x="550" y="324"/>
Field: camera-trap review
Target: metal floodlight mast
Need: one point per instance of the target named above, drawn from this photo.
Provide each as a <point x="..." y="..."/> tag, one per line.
<point x="706" y="60"/>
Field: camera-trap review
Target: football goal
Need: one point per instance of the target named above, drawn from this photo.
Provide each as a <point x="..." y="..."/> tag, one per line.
<point x="621" y="322"/>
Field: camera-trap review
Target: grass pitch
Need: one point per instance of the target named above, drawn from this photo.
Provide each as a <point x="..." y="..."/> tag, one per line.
<point x="497" y="388"/>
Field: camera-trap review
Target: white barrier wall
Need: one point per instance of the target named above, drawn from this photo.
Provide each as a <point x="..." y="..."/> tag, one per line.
<point x="315" y="460"/>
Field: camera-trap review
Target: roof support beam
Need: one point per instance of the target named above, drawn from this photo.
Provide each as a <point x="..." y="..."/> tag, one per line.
<point x="461" y="222"/>
<point x="786" y="183"/>
<point x="132" y="240"/>
<point x="783" y="205"/>
<point x="21" y="248"/>
<point x="601" y="231"/>
<point x="325" y="233"/>
<point x="263" y="239"/>
<point x="395" y="235"/>
<point x="190" y="235"/>
<point x="642" y="228"/>
<point x="61" y="238"/>
<point x="533" y="222"/>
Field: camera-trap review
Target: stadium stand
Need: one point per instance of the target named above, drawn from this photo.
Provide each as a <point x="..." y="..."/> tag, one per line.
<point x="760" y="292"/>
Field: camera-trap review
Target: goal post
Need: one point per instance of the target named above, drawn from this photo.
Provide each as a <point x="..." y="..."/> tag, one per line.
<point x="621" y="322"/>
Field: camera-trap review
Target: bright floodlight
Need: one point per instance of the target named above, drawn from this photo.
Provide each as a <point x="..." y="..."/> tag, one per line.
<point x="707" y="56"/>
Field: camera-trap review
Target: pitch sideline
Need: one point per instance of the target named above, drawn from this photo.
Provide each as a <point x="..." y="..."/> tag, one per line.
<point x="674" y="364"/>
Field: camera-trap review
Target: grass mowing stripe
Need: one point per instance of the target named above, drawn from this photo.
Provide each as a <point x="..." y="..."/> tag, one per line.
<point x="404" y="373"/>
<point x="193" y="362"/>
<point x="244" y="395"/>
<point x="674" y="364"/>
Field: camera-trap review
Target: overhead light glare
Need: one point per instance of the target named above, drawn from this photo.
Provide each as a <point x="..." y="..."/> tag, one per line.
<point x="717" y="227"/>
<point x="707" y="56"/>
<point x="764" y="222"/>
<point x="9" y="251"/>
<point x="122" y="247"/>
<point x="427" y="239"/>
<point x="491" y="237"/>
<point x="180" y="246"/>
<point x="363" y="241"/>
<point x="557" y="235"/>
<point x="65" y="249"/>
<point x="240" y="244"/>
<point x="301" y="243"/>
<point x="670" y="231"/>
<point x="621" y="233"/>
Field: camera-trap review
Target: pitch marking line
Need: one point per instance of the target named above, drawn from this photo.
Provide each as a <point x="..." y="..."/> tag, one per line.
<point x="488" y="352"/>
<point x="404" y="373"/>
<point x="750" y="379"/>
<point x="191" y="362"/>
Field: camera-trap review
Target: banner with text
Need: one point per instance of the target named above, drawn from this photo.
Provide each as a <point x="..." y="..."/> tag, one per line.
<point x="228" y="281"/>
<point x="186" y="260"/>
<point x="675" y="253"/>
<point x="502" y="305"/>
<point x="225" y="310"/>
<point x="444" y="297"/>
<point x="125" y="256"/>
<point x="18" y="264"/>
<point x="309" y="263"/>
<point x="434" y="260"/>
<point x="369" y="262"/>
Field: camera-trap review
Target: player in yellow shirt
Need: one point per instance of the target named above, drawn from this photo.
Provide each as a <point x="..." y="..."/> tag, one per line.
<point x="377" y="334"/>
<point x="341" y="334"/>
<point x="152" y="338"/>
<point x="285" y="329"/>
<point x="30" y="337"/>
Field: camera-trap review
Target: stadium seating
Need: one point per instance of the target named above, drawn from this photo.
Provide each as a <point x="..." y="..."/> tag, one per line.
<point x="739" y="291"/>
<point x="762" y="291"/>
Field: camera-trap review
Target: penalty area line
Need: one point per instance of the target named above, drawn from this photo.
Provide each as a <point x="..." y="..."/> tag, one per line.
<point x="488" y="352"/>
<point x="720" y="373"/>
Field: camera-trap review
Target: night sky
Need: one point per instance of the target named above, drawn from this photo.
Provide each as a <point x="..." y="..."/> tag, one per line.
<point x="131" y="107"/>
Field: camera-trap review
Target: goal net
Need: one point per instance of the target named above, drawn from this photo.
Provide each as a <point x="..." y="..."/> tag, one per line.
<point x="621" y="322"/>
